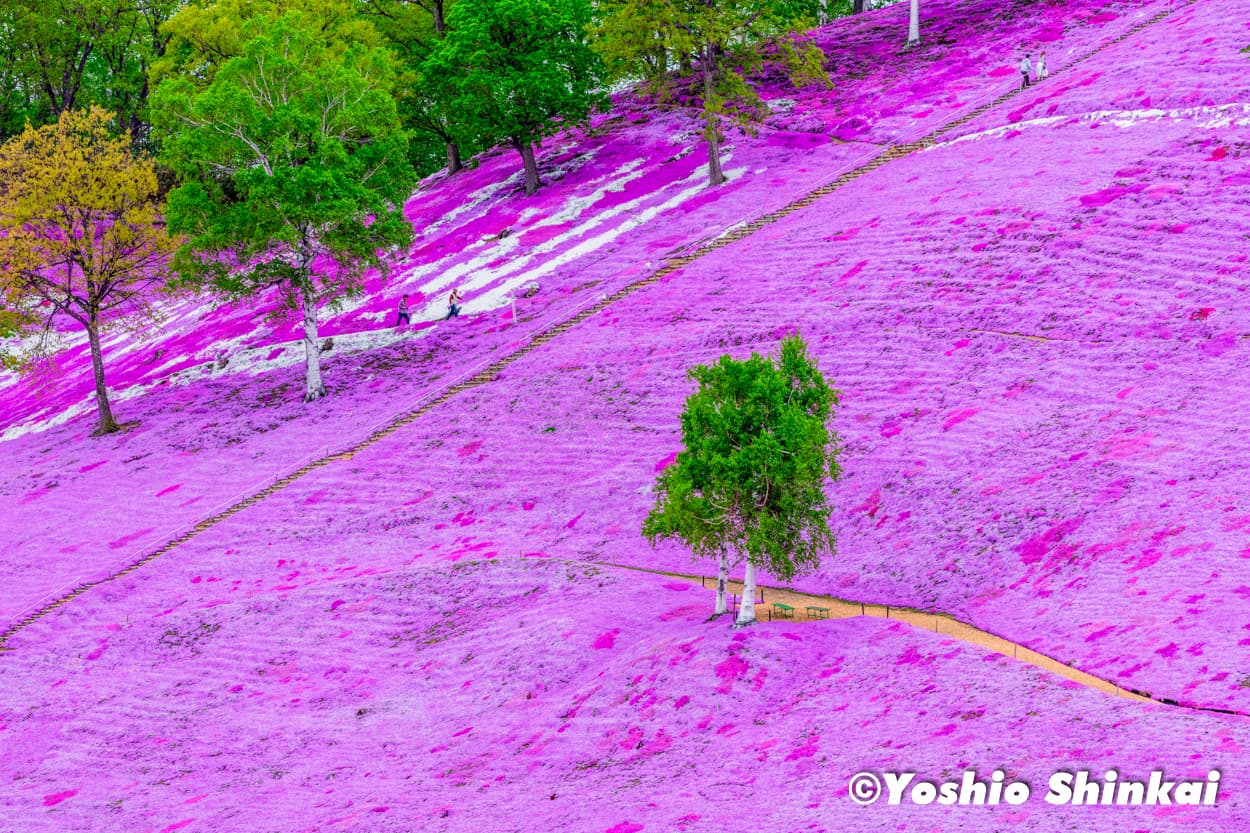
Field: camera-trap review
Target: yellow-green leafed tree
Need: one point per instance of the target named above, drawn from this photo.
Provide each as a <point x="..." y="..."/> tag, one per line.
<point x="80" y="233"/>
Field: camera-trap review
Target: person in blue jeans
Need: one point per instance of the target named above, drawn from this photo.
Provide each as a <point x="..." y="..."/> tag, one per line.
<point x="453" y="303"/>
<point x="404" y="317"/>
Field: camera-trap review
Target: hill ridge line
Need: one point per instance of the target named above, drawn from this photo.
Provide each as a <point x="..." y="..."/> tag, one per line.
<point x="491" y="371"/>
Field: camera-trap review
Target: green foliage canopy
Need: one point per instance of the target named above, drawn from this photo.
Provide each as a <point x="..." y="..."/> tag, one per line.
<point x="518" y="71"/>
<point x="757" y="451"/>
<point x="290" y="151"/>
<point x="205" y="34"/>
<point x="720" y="42"/>
<point x="414" y="29"/>
<point x="58" y="55"/>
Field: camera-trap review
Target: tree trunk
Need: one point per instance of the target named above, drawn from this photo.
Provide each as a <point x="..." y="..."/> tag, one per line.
<point x="313" y="388"/>
<point x="857" y="7"/>
<point x="107" y="424"/>
<point x="440" y="20"/>
<point x="746" y="610"/>
<point x="139" y="129"/>
<point x="453" y="158"/>
<point x="526" y="149"/>
<point x="913" y="28"/>
<point x="722" y="579"/>
<point x="715" y="176"/>
<point x="711" y="121"/>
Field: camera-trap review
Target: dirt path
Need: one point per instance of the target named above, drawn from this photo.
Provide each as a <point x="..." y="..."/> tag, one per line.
<point x="811" y="607"/>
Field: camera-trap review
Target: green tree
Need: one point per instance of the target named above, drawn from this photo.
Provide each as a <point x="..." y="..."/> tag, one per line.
<point x="204" y="35"/>
<point x="17" y="96"/>
<point x="722" y="43"/>
<point x="292" y="153"/>
<point x="749" y="484"/>
<point x="518" y="71"/>
<point x="414" y="29"/>
<point x="76" y="53"/>
<point x="127" y="60"/>
<point x="80" y="235"/>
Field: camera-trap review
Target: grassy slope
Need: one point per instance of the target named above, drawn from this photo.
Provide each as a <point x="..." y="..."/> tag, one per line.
<point x="1014" y="480"/>
<point x="208" y="435"/>
<point x="1028" y="420"/>
<point x="535" y="695"/>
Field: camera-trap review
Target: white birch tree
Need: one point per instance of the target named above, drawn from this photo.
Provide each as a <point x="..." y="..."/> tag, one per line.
<point x="749" y="484"/>
<point x="294" y="169"/>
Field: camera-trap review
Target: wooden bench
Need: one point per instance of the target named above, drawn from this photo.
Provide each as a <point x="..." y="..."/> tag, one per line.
<point x="783" y="610"/>
<point x="814" y="612"/>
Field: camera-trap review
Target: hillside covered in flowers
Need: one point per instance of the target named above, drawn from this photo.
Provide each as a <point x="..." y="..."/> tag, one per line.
<point x="1036" y="321"/>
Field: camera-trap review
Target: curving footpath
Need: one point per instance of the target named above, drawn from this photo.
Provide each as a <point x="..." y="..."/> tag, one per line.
<point x="491" y="372"/>
<point x="813" y="607"/>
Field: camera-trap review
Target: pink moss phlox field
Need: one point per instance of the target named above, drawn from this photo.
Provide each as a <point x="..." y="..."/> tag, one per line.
<point x="1037" y="329"/>
<point x="635" y="161"/>
<point x="449" y="698"/>
<point x="1042" y="442"/>
<point x="215" y="390"/>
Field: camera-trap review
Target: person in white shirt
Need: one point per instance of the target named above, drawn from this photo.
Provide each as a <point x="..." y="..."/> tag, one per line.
<point x="1042" y="72"/>
<point x="453" y="303"/>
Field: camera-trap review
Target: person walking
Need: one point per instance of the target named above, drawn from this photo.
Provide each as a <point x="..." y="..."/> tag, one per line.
<point x="1042" y="72"/>
<point x="404" y="317"/>
<point x="453" y="303"/>
<point x="1026" y="68"/>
